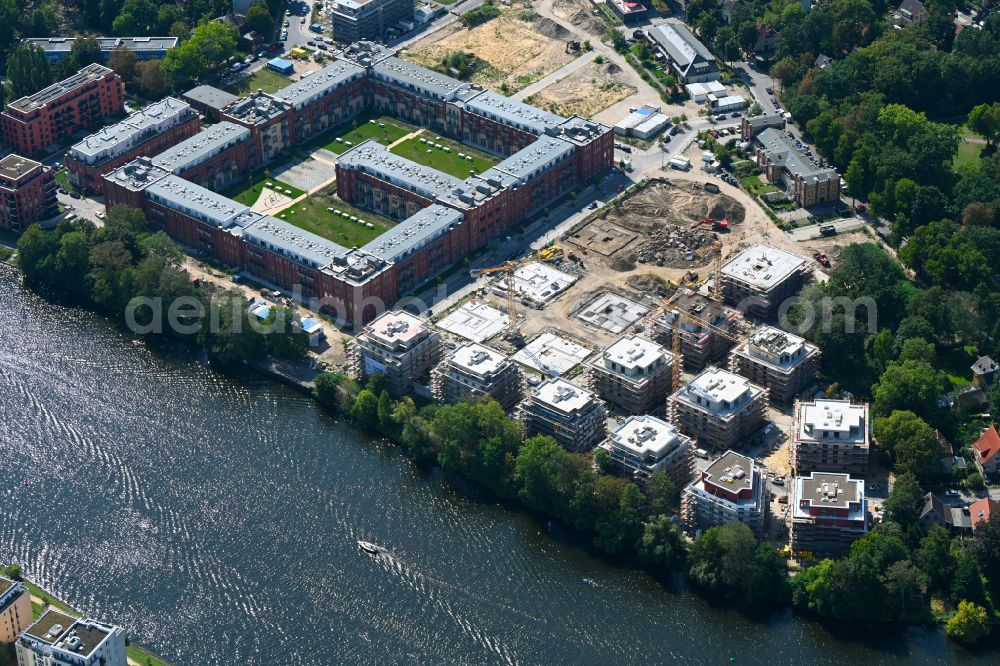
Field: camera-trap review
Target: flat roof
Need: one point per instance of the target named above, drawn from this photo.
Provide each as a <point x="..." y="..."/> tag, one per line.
<point x="612" y="312"/>
<point x="196" y="201"/>
<point x="766" y="120"/>
<point x="5" y="584"/>
<point x="211" y="96"/>
<point x="415" y="77"/>
<point x="207" y="142"/>
<point x="257" y="108"/>
<point x="373" y="158"/>
<point x="475" y="320"/>
<point x="763" y="266"/>
<point x="65" y="44"/>
<point x="478" y="359"/>
<point x="395" y="326"/>
<point x="827" y="417"/>
<point x="14" y="166"/>
<point x="827" y="489"/>
<point x="415" y="232"/>
<point x="562" y="396"/>
<point x="320" y="83"/>
<point x="292" y="242"/>
<point x="512" y="112"/>
<point x="704" y="88"/>
<point x="731" y="469"/>
<point x="137" y="175"/>
<point x="84" y="637"/>
<point x="780" y="150"/>
<point x="647" y="435"/>
<point x="50" y="626"/>
<point x="88" y="74"/>
<point x="775" y="347"/>
<point x="551" y="353"/>
<point x="537" y="156"/>
<point x="122" y="136"/>
<point x="720" y="391"/>
<point x="580" y="131"/>
<point x="633" y="352"/>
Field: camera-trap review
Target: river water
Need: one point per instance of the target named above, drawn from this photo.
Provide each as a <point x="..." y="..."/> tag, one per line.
<point x="217" y="521"/>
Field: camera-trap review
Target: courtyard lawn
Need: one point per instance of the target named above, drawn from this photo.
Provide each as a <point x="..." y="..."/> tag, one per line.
<point x="265" y="79"/>
<point x="248" y="191"/>
<point x="312" y="215"/>
<point x="757" y="187"/>
<point x="448" y="160"/>
<point x="383" y="129"/>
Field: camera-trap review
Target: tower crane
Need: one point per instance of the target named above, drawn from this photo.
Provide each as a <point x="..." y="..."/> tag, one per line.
<point x="512" y="331"/>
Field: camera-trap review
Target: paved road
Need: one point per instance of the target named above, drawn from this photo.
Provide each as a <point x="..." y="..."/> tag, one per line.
<point x="812" y="231"/>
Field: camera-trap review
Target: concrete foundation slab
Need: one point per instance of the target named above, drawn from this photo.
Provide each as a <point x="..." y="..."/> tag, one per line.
<point x="550" y="353"/>
<point x="476" y="321"/>
<point x="541" y="283"/>
<point x="611" y="312"/>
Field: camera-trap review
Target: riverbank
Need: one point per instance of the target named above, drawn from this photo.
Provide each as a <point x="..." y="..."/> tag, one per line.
<point x="42" y="599"/>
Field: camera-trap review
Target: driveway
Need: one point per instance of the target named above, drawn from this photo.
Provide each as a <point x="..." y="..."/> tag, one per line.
<point x="812" y="231"/>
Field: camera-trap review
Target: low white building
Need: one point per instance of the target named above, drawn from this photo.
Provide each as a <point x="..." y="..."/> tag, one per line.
<point x="699" y="92"/>
<point x="57" y="639"/>
<point x="724" y="103"/>
<point x="644" y="445"/>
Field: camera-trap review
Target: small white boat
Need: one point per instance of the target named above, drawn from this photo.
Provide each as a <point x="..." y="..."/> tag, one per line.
<point x="369" y="547"/>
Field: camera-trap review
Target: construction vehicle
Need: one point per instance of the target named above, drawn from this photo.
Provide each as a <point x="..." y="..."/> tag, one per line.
<point x="550" y="253"/>
<point x="717" y="225"/>
<point x="827" y="230"/>
<point x="822" y="259"/>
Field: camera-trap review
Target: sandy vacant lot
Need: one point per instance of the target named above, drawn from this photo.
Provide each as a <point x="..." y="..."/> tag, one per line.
<point x="585" y="92"/>
<point x="519" y="48"/>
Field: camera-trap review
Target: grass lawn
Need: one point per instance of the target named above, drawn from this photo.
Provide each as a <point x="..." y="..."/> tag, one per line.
<point x="62" y="179"/>
<point x="312" y="215"/>
<point x="757" y="187"/>
<point x="265" y="79"/>
<point x="383" y="129"/>
<point x="957" y="364"/>
<point x="247" y="193"/>
<point x="968" y="149"/>
<point x="437" y="158"/>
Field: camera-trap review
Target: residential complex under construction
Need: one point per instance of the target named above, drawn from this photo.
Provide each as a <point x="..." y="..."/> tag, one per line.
<point x="783" y="363"/>
<point x="572" y="416"/>
<point x="720" y="409"/>
<point x="733" y="488"/>
<point x="473" y="371"/>
<point x="634" y="374"/>
<point x="830" y="436"/>
<point x="398" y="345"/>
<point x="644" y="445"/>
<point x="708" y="328"/>
<point x="829" y="513"/>
<point x="758" y="279"/>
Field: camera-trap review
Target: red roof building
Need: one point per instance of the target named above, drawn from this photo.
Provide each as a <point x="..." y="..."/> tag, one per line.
<point x="986" y="449"/>
<point x="980" y="511"/>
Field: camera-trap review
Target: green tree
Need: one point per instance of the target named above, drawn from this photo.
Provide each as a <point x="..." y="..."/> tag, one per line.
<point x="604" y="461"/>
<point x="618" y="41"/>
<point x="364" y="413"/>
<point x="986" y="547"/>
<point x="283" y="335"/>
<point x="902" y="506"/>
<point x="478" y="441"/>
<point x="785" y="71"/>
<point x="227" y="332"/>
<point x="969" y="624"/>
<point x="662" y="493"/>
<point x="259" y="18"/>
<point x="208" y="49"/>
<point x="967" y="581"/>
<point x="906" y="591"/>
<point x="935" y="557"/>
<point x="726" y="562"/>
<point x="385" y="413"/>
<point x="984" y="119"/>
<point x="125" y="63"/>
<point x="149" y="78"/>
<point x="662" y="544"/>
<point x="911" y="443"/>
<point x="43" y="22"/>
<point x="87" y="50"/>
<point x="27" y="70"/>
<point x="326" y="390"/>
<point x="10" y="12"/>
<point x="910" y="385"/>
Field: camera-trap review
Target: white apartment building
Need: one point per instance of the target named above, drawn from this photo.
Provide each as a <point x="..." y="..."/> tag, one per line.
<point x="400" y="346"/>
<point x="719" y="408"/>
<point x="783" y="363"/>
<point x="831" y="436"/>
<point x="474" y="370"/>
<point x="644" y="445"/>
<point x="633" y="373"/>
<point x="730" y="489"/>
<point x="572" y="416"/>
<point x="57" y="639"/>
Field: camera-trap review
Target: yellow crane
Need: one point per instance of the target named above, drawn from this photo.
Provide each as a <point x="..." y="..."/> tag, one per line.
<point x="511" y="267"/>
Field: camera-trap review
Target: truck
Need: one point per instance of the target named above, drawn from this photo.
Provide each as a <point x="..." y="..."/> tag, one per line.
<point x="711" y="187"/>
<point x="680" y="163"/>
<point x="827" y="230"/>
<point x="316" y="27"/>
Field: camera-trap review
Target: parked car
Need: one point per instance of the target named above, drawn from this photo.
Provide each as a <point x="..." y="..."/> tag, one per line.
<point x="735" y="114"/>
<point x="952" y="493"/>
<point x="75" y="195"/>
<point x="321" y="47"/>
<point x="261" y="53"/>
<point x="592" y="205"/>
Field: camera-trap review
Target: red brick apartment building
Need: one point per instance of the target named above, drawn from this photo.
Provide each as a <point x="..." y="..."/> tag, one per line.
<point x="442" y="218"/>
<point x="81" y="101"/>
<point x="143" y="134"/>
<point x="27" y="192"/>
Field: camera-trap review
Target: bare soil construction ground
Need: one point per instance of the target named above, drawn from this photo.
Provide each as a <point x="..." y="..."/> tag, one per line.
<point x="519" y="48"/>
<point x="586" y="92"/>
<point x="579" y="13"/>
<point x="657" y="225"/>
